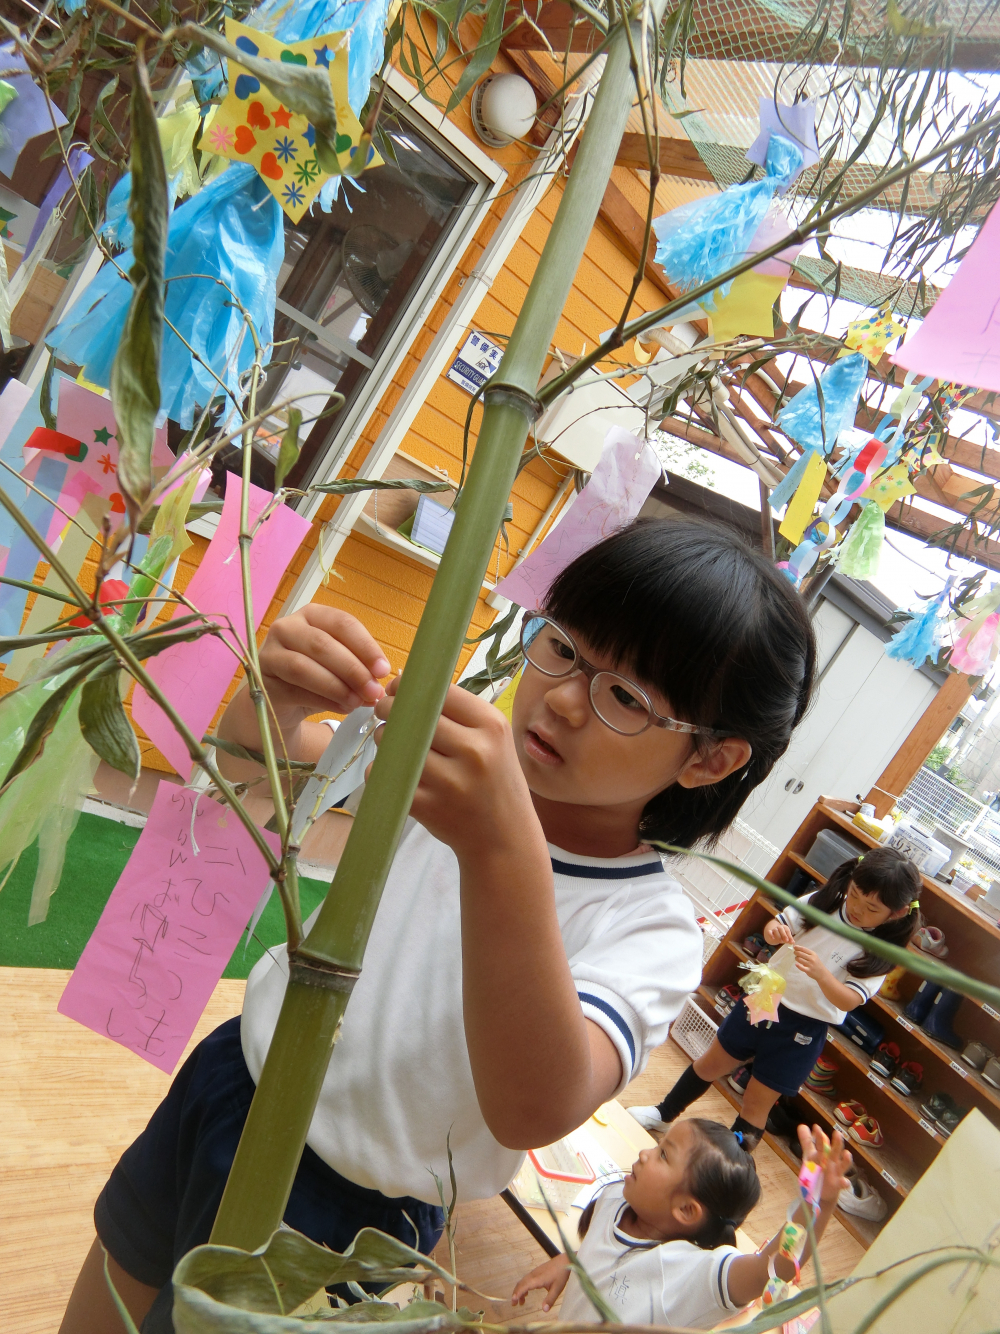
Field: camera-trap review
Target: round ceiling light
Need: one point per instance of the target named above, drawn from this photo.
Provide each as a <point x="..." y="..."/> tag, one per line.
<point x="503" y="109"/>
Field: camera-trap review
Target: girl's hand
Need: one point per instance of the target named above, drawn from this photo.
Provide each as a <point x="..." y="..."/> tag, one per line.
<point x="551" y="1276"/>
<point x="776" y="933"/>
<point x="472" y="794"/>
<point x="833" y="1156"/>
<point x="808" y="962"/>
<point x="320" y="660"/>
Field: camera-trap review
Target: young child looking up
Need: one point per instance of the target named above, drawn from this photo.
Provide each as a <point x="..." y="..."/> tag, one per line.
<point x="876" y="893"/>
<point x="528" y="951"/>
<point x="660" y="1246"/>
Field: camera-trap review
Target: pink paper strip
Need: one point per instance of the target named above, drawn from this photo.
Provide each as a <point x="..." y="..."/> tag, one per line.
<point x="959" y="341"/>
<point x="627" y="472"/>
<point x="169" y="928"/>
<point x="194" y="676"/>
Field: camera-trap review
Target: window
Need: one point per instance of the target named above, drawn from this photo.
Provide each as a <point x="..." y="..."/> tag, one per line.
<point x="350" y="279"/>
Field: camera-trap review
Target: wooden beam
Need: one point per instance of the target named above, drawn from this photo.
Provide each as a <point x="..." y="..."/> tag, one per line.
<point x="942" y="711"/>
<point x="678" y="157"/>
<point x="552" y="29"/>
<point x="628" y="224"/>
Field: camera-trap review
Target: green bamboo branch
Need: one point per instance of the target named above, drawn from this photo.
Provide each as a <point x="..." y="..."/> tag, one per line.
<point x="923" y="965"/>
<point x="323" y="970"/>
<point x="139" y="673"/>
<point x="803" y="232"/>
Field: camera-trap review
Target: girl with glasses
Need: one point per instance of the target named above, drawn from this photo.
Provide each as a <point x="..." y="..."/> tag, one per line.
<point x="530" y="950"/>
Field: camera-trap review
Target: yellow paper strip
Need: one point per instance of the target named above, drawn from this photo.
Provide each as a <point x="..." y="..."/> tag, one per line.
<point x="802" y="504"/>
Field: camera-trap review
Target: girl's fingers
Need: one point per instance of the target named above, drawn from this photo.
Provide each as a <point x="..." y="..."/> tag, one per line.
<point x="348" y="630"/>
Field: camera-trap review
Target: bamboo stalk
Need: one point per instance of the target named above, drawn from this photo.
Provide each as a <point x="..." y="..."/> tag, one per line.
<point x="323" y="969"/>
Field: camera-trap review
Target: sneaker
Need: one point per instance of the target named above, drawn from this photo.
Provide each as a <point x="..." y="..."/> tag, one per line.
<point x="848" y="1112"/>
<point x="930" y="939"/>
<point x="862" y="1201"/>
<point x="827" y="1067"/>
<point x="908" y="1077"/>
<point x="866" y="1130"/>
<point x="992" y="1072"/>
<point x="977" y="1054"/>
<point x="886" y="1060"/>
<point x="935" y="1105"/>
<point x="727" y="998"/>
<point x="950" y="1117"/>
<point x="754" y="944"/>
<point x="740" y="1078"/>
<point x="648" y="1118"/>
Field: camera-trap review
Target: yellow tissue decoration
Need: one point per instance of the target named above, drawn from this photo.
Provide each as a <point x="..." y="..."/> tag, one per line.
<point x="764" y="988"/>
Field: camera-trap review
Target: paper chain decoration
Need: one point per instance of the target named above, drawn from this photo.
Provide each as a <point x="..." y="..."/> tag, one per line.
<point x="251" y="125"/>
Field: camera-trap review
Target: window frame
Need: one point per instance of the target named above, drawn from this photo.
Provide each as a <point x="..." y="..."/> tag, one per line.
<point x="488" y="178"/>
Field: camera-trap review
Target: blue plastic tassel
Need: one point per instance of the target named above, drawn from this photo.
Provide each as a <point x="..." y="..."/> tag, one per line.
<point x="231" y="231"/>
<point x="840" y="386"/>
<point x="921" y="638"/>
<point x="708" y="236"/>
<point x="296" y="21"/>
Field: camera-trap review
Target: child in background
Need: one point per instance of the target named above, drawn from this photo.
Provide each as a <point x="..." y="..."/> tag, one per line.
<point x="529" y="950"/>
<point x="876" y="893"/>
<point x="660" y="1247"/>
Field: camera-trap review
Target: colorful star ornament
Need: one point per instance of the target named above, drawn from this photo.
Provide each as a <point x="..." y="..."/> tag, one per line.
<point x="251" y="125"/>
<point x="764" y="987"/>
<point x="873" y="334"/>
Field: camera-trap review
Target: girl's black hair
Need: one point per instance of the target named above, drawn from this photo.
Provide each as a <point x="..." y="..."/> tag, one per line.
<point x="722" y="1177"/>
<point x="687" y="607"/>
<point x="894" y="878"/>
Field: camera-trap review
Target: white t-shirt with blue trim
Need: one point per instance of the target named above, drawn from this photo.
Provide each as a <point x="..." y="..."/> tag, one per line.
<point x="648" y="1283"/>
<point x="400" y="1077"/>
<point x="802" y="993"/>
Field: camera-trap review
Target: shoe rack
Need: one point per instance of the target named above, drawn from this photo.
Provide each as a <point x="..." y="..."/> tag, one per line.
<point x="911" y="1140"/>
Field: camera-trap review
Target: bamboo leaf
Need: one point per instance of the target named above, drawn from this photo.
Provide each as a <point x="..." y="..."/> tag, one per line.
<point x="41" y="725"/>
<point x="45" y="396"/>
<point x="484" y="54"/>
<point x="254" y="756"/>
<point x="351" y="486"/>
<point x="135" y="375"/>
<point x="104" y="723"/>
<point x="288" y="453"/>
<point x="197" y="510"/>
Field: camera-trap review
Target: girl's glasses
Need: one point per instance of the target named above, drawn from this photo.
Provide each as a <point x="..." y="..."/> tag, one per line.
<point x="618" y="702"/>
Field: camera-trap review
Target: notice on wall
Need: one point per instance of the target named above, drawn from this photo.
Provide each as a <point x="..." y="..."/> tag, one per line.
<point x="478" y="359"/>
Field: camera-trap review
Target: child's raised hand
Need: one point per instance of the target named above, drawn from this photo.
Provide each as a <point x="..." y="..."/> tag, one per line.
<point x="809" y="962"/>
<point x="320" y="660"/>
<point x="551" y="1276"/>
<point x="472" y="793"/>
<point x="832" y="1155"/>
<point x="777" y="933"/>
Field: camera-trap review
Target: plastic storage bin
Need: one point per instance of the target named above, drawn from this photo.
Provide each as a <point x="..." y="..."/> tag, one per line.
<point x="830" y="849"/>
<point x="692" y="1030"/>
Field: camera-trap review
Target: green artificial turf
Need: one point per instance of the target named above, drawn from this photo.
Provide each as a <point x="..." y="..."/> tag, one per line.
<point x="95" y="858"/>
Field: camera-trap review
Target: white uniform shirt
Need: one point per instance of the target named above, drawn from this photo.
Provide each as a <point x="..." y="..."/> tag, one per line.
<point x="400" y="1077"/>
<point x="802" y="994"/>
<point x="648" y="1283"/>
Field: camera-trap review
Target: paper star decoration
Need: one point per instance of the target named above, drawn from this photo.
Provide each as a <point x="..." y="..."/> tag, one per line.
<point x="252" y="125"/>
<point x="762" y="1006"/>
<point x="891" y="486"/>
<point x="747" y="308"/>
<point x="872" y="335"/>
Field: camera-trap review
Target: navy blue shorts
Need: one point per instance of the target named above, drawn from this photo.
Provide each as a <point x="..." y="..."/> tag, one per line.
<point x="162" y="1198"/>
<point x="783" y="1053"/>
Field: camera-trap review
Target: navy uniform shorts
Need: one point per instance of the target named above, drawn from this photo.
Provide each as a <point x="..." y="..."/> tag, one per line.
<point x="162" y="1198"/>
<point x="783" y="1053"/>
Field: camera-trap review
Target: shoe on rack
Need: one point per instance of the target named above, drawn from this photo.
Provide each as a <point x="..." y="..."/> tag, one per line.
<point x="866" y="1130"/>
<point x="930" y="939"/>
<point x="933" y="1106"/>
<point x="779" y="1122"/>
<point x="950" y="1118"/>
<point x="740" y="1078"/>
<point x="764" y="955"/>
<point x="648" y="1118"/>
<point x="920" y="1005"/>
<point x="977" y="1054"/>
<point x="992" y="1072"/>
<point x="727" y="998"/>
<point x="886" y="1060"/>
<point x="848" y="1112"/>
<point x="861" y="1200"/>
<point x="889" y="990"/>
<point x="939" y="1019"/>
<point x="754" y="944"/>
<point x="908" y="1077"/>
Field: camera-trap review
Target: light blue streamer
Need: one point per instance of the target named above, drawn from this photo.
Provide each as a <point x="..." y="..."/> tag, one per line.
<point x="231" y="231"/>
<point x="708" y="236"/>
<point x="840" y="385"/>
<point x="785" y="489"/>
<point x="921" y="638"/>
<point x="293" y="21"/>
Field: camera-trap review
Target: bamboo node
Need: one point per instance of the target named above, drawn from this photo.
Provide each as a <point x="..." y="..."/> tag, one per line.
<point x="315" y="972"/>
<point x="513" y="396"/>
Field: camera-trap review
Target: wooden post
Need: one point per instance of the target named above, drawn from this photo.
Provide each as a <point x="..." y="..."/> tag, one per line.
<point x="930" y="727"/>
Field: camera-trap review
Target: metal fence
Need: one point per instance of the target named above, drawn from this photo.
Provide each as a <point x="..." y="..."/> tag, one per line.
<point x="717" y="894"/>
<point x="933" y="801"/>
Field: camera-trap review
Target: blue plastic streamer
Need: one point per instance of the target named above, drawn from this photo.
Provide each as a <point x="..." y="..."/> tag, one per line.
<point x="921" y="638"/>
<point x="294" y="21"/>
<point x="226" y="241"/>
<point x="840" y="386"/>
<point x="700" y="240"/>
